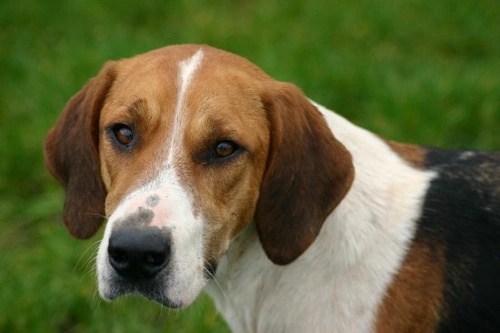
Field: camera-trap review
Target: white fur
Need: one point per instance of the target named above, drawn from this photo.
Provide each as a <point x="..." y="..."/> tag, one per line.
<point x="187" y="71"/>
<point x="174" y="212"/>
<point x="338" y="283"/>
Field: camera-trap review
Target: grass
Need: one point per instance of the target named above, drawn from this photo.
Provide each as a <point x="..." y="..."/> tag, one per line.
<point x="415" y="71"/>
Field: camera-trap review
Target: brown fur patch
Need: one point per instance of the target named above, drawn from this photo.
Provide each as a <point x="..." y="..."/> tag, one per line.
<point x="143" y="97"/>
<point x="72" y="158"/>
<point x="413" y="154"/>
<point x="308" y="173"/>
<point x="413" y="300"/>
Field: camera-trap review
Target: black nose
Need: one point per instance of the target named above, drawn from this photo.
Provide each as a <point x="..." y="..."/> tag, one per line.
<point x="138" y="253"/>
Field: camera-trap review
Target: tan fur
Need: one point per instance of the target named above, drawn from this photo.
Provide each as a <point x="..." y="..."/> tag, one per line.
<point x="413" y="300"/>
<point x="413" y="154"/>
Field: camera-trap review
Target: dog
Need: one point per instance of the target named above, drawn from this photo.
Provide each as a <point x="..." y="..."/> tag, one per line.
<point x="214" y="176"/>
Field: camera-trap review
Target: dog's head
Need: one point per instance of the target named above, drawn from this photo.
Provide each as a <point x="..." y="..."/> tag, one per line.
<point x="181" y="148"/>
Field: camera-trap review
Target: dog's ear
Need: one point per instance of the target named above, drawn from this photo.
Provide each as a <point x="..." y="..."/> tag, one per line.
<point x="71" y="155"/>
<point x="308" y="173"/>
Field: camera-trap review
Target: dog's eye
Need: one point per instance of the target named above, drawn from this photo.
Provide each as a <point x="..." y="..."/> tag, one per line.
<point x="123" y="134"/>
<point x="224" y="149"/>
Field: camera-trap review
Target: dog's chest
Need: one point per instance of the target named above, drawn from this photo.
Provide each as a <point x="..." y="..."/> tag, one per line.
<point x="302" y="297"/>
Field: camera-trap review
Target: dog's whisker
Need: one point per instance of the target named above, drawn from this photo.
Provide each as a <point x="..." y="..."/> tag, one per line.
<point x="104" y="217"/>
<point x="91" y="247"/>
<point x="214" y="278"/>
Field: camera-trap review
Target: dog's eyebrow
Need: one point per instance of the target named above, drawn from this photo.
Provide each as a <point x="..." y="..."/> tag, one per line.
<point x="137" y="107"/>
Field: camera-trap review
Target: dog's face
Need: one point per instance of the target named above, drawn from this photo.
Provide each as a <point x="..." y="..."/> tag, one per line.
<point x="181" y="148"/>
<point x="183" y="155"/>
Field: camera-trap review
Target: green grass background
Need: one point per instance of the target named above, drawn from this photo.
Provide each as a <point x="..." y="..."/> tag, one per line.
<point x="424" y="71"/>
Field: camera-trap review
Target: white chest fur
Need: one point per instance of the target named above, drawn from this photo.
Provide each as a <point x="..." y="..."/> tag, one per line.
<point x="339" y="282"/>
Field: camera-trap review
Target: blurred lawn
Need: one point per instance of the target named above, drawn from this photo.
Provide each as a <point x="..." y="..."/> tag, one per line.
<point x="418" y="71"/>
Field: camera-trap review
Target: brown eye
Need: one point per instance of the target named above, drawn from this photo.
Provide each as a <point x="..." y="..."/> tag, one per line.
<point x="123" y="134"/>
<point x="224" y="148"/>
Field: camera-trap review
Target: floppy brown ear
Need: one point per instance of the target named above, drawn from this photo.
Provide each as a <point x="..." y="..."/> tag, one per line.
<point x="71" y="155"/>
<point x="308" y="173"/>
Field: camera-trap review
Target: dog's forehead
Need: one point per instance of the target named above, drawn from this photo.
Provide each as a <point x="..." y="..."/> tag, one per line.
<point x="168" y="62"/>
<point x="184" y="78"/>
<point x="151" y="74"/>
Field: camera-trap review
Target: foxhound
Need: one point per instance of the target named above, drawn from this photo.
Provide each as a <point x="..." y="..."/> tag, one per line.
<point x="214" y="176"/>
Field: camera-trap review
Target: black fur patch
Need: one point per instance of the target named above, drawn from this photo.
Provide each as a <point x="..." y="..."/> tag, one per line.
<point x="462" y="215"/>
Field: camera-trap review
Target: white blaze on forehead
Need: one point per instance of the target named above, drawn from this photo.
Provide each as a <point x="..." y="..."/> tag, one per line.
<point x="187" y="70"/>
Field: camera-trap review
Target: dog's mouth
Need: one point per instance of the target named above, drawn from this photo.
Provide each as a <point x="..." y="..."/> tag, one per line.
<point x="154" y="289"/>
<point x="159" y="288"/>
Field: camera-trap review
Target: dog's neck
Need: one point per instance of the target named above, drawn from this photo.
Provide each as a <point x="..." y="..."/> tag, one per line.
<point x="351" y="263"/>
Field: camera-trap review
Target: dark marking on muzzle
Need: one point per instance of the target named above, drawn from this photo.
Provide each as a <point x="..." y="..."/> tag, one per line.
<point x="153" y="200"/>
<point x="142" y="217"/>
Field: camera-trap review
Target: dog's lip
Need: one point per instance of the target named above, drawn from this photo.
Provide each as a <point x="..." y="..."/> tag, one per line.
<point x="161" y="299"/>
<point x="158" y="298"/>
<point x="151" y="289"/>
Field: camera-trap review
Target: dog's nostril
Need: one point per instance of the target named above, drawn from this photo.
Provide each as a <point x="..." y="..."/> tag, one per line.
<point x="154" y="259"/>
<point x="138" y="253"/>
<point x="119" y="257"/>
